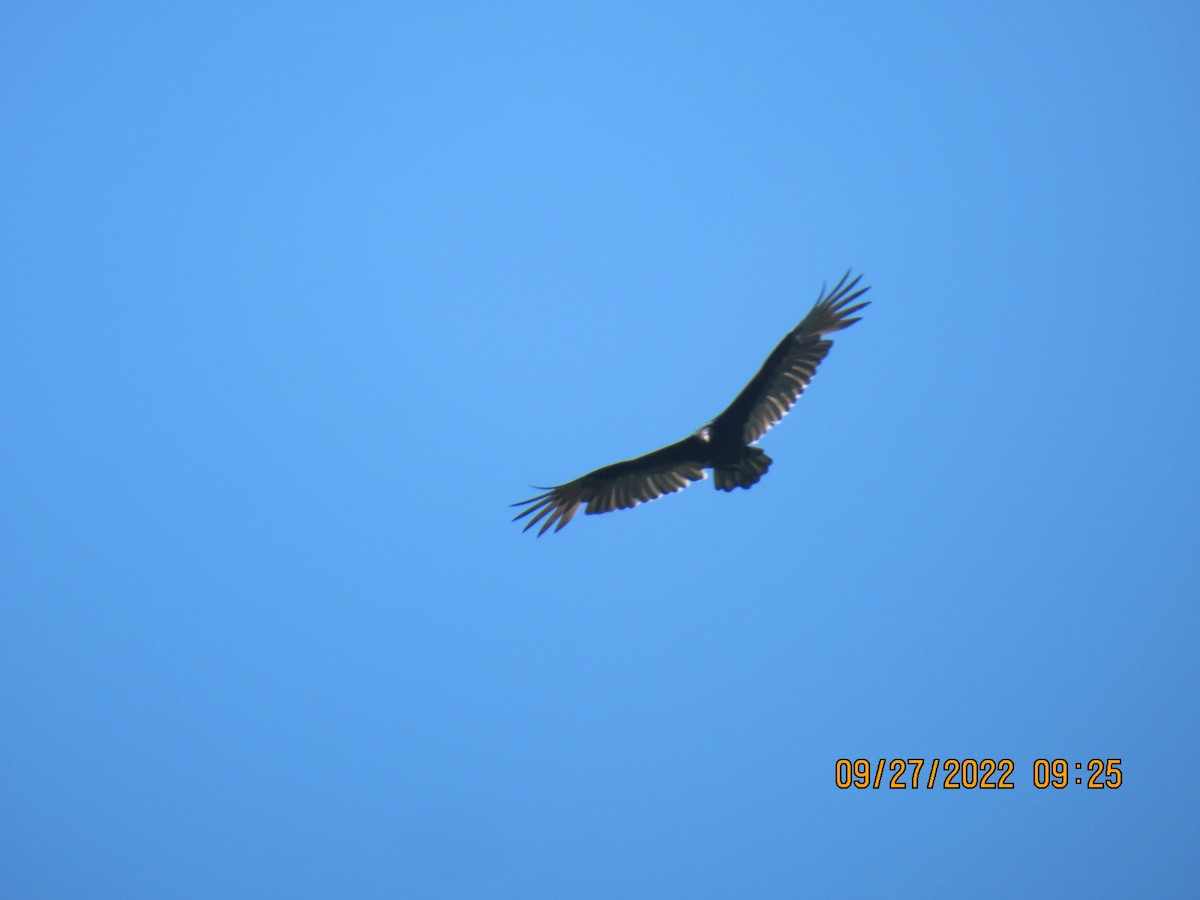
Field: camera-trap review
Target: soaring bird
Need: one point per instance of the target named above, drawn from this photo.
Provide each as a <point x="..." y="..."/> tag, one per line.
<point x="725" y="444"/>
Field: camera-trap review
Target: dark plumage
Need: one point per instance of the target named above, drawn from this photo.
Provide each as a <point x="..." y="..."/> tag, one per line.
<point x="724" y="444"/>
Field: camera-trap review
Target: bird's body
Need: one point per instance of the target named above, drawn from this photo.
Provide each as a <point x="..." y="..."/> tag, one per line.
<point x="725" y="444"/>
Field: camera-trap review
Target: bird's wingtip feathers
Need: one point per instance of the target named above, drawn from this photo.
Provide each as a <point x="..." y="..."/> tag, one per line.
<point x="832" y="311"/>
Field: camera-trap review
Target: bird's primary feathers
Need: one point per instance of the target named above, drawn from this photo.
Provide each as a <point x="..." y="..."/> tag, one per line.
<point x="724" y="444"/>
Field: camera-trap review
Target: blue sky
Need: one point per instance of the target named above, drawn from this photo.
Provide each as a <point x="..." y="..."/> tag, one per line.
<point x="298" y="298"/>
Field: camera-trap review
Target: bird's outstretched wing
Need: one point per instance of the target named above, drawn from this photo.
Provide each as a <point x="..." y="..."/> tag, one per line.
<point x="790" y="367"/>
<point x="620" y="485"/>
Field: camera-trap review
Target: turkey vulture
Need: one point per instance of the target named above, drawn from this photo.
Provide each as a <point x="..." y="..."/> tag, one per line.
<point x="724" y="444"/>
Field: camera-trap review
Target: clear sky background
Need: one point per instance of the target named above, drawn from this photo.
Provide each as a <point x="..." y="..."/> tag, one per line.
<point x="296" y="299"/>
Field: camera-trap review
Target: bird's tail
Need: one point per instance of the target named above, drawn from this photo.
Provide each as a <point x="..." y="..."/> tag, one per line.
<point x="746" y="471"/>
